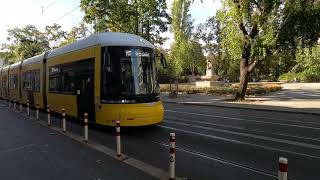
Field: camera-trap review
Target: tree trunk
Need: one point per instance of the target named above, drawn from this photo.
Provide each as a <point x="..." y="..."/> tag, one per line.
<point x="244" y="79"/>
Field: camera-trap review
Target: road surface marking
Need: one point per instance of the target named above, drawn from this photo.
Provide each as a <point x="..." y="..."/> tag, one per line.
<point x="240" y="119"/>
<point x="17" y="148"/>
<point x="238" y="142"/>
<point x="240" y="128"/>
<point x="155" y="172"/>
<point x="144" y="167"/>
<point x="250" y="116"/>
<point x="220" y="160"/>
<point x="311" y="146"/>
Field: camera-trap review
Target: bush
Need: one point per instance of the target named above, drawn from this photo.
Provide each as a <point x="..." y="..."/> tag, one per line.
<point x="253" y="89"/>
<point x="306" y="76"/>
<point x="288" y="77"/>
<point x="311" y="76"/>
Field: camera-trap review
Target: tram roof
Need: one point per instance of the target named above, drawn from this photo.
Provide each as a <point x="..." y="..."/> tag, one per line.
<point x="103" y="39"/>
<point x="34" y="59"/>
<point x="15" y="65"/>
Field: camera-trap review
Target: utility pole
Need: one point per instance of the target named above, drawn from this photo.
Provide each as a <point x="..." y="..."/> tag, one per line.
<point x="137" y="18"/>
<point x="148" y="30"/>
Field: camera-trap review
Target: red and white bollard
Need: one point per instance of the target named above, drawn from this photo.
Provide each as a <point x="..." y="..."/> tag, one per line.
<point x="37" y="111"/>
<point x="49" y="118"/>
<point x="64" y="129"/>
<point x="28" y="108"/>
<point x="20" y="105"/>
<point x="118" y="140"/>
<point x="85" y="121"/>
<point x="172" y="156"/>
<point x="283" y="169"/>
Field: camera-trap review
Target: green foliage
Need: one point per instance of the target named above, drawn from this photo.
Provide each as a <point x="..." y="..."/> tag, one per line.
<point x="181" y="28"/>
<point x="186" y="55"/>
<point x="289" y="77"/>
<point x="181" y="20"/>
<point x="139" y="17"/>
<point x="194" y="60"/>
<point x="209" y="32"/>
<point x="55" y="35"/>
<point x="29" y="41"/>
<point x="79" y="31"/>
<point x="164" y="75"/>
<point x="307" y="66"/>
<point x="253" y="89"/>
<point x="260" y="32"/>
<point x="302" y="24"/>
<point x="24" y="43"/>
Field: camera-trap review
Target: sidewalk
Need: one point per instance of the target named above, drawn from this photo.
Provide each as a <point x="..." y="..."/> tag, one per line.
<point x="295" y="97"/>
<point x="30" y="151"/>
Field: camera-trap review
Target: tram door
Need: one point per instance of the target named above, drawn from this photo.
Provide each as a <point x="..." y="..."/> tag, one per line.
<point x="85" y="89"/>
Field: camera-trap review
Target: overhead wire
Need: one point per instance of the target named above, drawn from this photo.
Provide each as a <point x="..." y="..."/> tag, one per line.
<point x="66" y="14"/>
<point x="43" y="9"/>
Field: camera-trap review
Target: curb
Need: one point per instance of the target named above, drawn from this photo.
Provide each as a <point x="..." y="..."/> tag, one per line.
<point x="245" y="108"/>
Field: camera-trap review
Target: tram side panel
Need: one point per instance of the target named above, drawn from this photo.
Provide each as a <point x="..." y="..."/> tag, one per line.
<point x="69" y="77"/>
<point x="14" y="83"/>
<point x="1" y="84"/>
<point x="31" y="88"/>
<point x="4" y="83"/>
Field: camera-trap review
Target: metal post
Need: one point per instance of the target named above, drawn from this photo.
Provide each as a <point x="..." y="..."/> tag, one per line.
<point x="9" y="102"/>
<point x="85" y="127"/>
<point x="48" y="111"/>
<point x="28" y="108"/>
<point x="283" y="169"/>
<point x="37" y="111"/>
<point x="20" y="105"/>
<point x="172" y="156"/>
<point x="14" y="104"/>
<point x="118" y="140"/>
<point x="63" y="120"/>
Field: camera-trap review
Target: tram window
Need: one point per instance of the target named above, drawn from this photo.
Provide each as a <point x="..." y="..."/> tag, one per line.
<point x="26" y="80"/>
<point x="68" y="78"/>
<point x="4" y="82"/>
<point x="54" y="79"/>
<point x="128" y="73"/>
<point x="54" y="84"/>
<point x="35" y="80"/>
<point x="13" y="81"/>
<point x="63" y="78"/>
<point x="31" y="80"/>
<point x="36" y="77"/>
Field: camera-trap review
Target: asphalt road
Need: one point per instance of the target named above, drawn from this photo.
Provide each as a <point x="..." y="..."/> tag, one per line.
<point x="222" y="143"/>
<point x="29" y="151"/>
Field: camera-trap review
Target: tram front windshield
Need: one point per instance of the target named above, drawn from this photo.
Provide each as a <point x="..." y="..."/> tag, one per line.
<point x="128" y="74"/>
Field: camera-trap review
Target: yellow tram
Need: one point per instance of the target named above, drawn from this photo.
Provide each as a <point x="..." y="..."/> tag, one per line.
<point x="110" y="76"/>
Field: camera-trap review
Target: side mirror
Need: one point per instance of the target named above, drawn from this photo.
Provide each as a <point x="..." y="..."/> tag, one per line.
<point x="163" y="61"/>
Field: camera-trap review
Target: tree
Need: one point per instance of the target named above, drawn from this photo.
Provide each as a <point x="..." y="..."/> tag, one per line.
<point x="24" y="43"/>
<point x="263" y="27"/>
<point x="76" y="32"/>
<point x="194" y="60"/>
<point x="55" y="35"/>
<point x="145" y="18"/>
<point x="182" y="30"/>
<point x="209" y="33"/>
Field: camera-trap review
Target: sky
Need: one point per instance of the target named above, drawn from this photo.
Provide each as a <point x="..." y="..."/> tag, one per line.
<point x="18" y="13"/>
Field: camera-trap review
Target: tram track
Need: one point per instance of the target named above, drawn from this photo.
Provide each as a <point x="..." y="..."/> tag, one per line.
<point x="214" y="158"/>
<point x="250" y="116"/>
<point x="197" y="154"/>
<point x="240" y="128"/>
